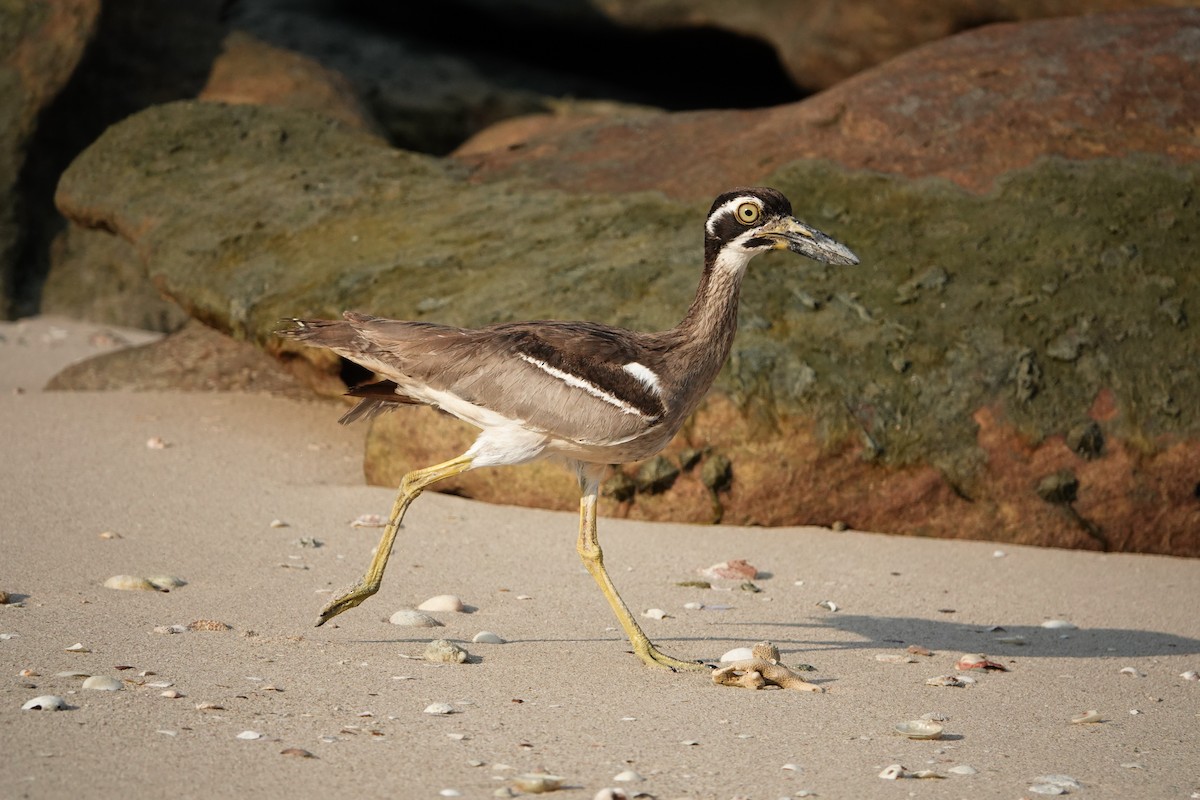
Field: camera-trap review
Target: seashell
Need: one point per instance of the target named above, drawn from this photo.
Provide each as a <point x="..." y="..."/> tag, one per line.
<point x="1060" y="625"/>
<point x="737" y="569"/>
<point x="110" y="535"/>
<point x="1132" y="671"/>
<point x="442" y="602"/>
<point x="738" y="654"/>
<point x="165" y="583"/>
<point x="892" y="772"/>
<point x="46" y="702"/>
<point x="249" y="735"/>
<point x="173" y="694"/>
<point x="170" y="629"/>
<point x="438" y="709"/>
<point x="156" y="443"/>
<point x="654" y="613"/>
<point x="28" y="673"/>
<point x="411" y="618"/>
<point x="487" y="637"/>
<point x="208" y="625"/>
<point x="367" y="521"/>
<point x="694" y="606"/>
<point x="918" y="650"/>
<point x="828" y="604"/>
<point x="445" y="652"/>
<point x="209" y="707"/>
<point x="102" y="683"/>
<point x="977" y="661"/>
<point x="946" y="680"/>
<point x="278" y="523"/>
<point x="129" y="583"/>
<point x="1190" y="675"/>
<point x="963" y="769"/>
<point x="1086" y="717"/>
<point x="538" y="782"/>
<point x="628" y="776"/>
<point x="77" y="648"/>
<point x="894" y="658"/>
<point x="611" y="794"/>
<point x="920" y="729"/>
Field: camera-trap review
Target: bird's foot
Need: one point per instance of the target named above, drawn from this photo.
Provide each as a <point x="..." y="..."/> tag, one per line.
<point x="652" y="657"/>
<point x="346" y="600"/>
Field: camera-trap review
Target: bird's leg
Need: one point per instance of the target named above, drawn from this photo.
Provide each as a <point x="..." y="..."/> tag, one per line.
<point x="588" y="547"/>
<point x="411" y="487"/>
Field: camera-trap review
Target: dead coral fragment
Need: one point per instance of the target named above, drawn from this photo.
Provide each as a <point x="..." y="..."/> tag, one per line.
<point x="761" y="671"/>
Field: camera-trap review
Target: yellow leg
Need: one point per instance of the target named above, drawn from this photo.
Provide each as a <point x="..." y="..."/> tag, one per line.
<point x="411" y="487"/>
<point x="593" y="558"/>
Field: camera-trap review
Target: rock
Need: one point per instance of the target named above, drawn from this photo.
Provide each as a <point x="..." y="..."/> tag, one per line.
<point x="656" y="475"/>
<point x="41" y="41"/>
<point x="969" y="108"/>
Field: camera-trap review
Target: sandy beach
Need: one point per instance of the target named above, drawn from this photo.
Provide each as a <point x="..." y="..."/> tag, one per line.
<point x="85" y="498"/>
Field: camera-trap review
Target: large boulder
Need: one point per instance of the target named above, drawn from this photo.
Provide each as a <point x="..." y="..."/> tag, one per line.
<point x="1013" y="360"/>
<point x="969" y="109"/>
<point x="41" y="41"/>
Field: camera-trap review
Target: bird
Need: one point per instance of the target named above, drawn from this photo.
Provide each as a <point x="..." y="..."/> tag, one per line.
<point x="584" y="393"/>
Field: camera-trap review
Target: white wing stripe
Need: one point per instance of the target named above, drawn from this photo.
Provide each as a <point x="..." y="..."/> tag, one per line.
<point x="645" y="376"/>
<point x="579" y="383"/>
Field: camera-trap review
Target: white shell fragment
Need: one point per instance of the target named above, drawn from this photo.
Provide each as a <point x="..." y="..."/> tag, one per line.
<point x="410" y="618"/>
<point x="103" y="683"/>
<point x="1060" y="625"/>
<point x="920" y="729"/>
<point x="129" y="583"/>
<point x="438" y="709"/>
<point x="654" y="613"/>
<point x="368" y="521"/>
<point x="46" y="702"/>
<point x="956" y="681"/>
<point x="738" y="654"/>
<point x="628" y="776"/>
<point x="1190" y="675"/>
<point x="442" y="602"/>
<point x="892" y="772"/>
<point x="1054" y="784"/>
<point x="828" y="604"/>
<point x="1086" y="717"/>
<point x="166" y="582"/>
<point x="1132" y="671"/>
<point x="487" y="637"/>
<point x="249" y="735"/>
<point x="538" y="782"/>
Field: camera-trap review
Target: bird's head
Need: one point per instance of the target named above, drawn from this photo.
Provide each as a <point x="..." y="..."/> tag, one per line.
<point x="746" y="222"/>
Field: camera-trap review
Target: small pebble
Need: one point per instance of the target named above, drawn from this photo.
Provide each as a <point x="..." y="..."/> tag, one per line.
<point x="1190" y="675"/>
<point x="77" y="648"/>
<point x="538" y="782"/>
<point x="102" y="683"/>
<point x="439" y="709"/>
<point x="208" y="625"/>
<point x="173" y="694"/>
<point x="693" y="606"/>
<point x="47" y="702"/>
<point x="110" y="535"/>
<point x="156" y="443"/>
<point x="442" y="602"/>
<point x="410" y="618"/>
<point x="487" y="637"/>
<point x="249" y="735"/>
<point x="445" y="652"/>
<point x="278" y="523"/>
<point x="654" y="613"/>
<point x="1086" y="717"/>
<point x="299" y="752"/>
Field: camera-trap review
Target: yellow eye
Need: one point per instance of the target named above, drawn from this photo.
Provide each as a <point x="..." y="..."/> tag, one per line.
<point x="747" y="213"/>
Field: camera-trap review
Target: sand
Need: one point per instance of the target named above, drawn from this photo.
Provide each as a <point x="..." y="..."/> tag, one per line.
<point x="563" y="694"/>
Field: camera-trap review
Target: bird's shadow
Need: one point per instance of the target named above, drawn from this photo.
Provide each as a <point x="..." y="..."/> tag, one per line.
<point x="875" y="633"/>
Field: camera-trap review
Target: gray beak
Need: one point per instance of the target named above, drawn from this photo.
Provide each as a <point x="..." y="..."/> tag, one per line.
<point x="794" y="235"/>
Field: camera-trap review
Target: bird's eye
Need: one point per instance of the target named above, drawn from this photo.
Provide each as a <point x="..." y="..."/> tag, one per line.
<point x="747" y="213"/>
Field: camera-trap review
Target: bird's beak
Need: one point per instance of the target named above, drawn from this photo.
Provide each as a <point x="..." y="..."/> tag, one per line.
<point x="792" y="234"/>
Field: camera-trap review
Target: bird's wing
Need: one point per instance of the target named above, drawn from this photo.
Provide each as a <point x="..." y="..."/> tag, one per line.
<point x="571" y="380"/>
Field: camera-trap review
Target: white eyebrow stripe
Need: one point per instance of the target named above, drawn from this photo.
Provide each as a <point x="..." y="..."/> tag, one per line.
<point x="579" y="383"/>
<point x="645" y="376"/>
<point x="728" y="206"/>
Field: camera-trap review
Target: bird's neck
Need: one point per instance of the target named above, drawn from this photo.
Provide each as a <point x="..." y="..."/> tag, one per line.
<point x="705" y="335"/>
